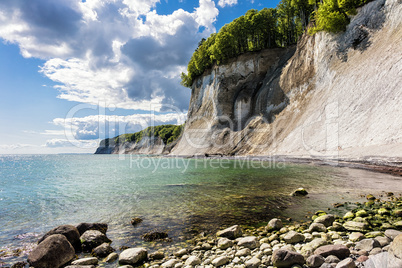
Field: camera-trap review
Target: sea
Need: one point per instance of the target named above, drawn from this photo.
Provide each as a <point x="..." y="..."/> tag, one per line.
<point x="184" y="197"/>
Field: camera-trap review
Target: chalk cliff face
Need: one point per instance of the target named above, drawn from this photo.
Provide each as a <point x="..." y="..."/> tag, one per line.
<point x="147" y="145"/>
<point x="334" y="96"/>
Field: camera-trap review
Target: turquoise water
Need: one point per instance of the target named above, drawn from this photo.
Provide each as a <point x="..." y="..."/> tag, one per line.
<point x="180" y="196"/>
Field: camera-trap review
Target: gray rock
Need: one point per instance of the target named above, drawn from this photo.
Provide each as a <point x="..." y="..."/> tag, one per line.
<point x="340" y="251"/>
<point x="193" y="261"/>
<point x="367" y="244"/>
<point x="83" y="227"/>
<point x="181" y="253"/>
<point x="222" y="260"/>
<point x="224" y="243"/>
<point x="346" y="263"/>
<point x="250" y="242"/>
<point x="133" y="256"/>
<point x="396" y="247"/>
<point x="375" y="251"/>
<point x="103" y="250"/>
<point x="300" y="192"/>
<point x="243" y="252"/>
<point x="231" y="232"/>
<point x="170" y="263"/>
<point x="92" y="239"/>
<point x="274" y="224"/>
<point x="384" y="241"/>
<point x="355" y="226"/>
<point x="206" y="246"/>
<point x="126" y="266"/>
<point x="112" y="257"/>
<point x="317" y="227"/>
<point x="86" y="261"/>
<point x="356" y="236"/>
<point x="158" y="255"/>
<point x="327" y="219"/>
<point x="253" y="263"/>
<point x="383" y="259"/>
<point x="328" y="265"/>
<point x="293" y="237"/>
<point x="52" y="252"/>
<point x="69" y="231"/>
<point x="285" y="258"/>
<point x="80" y="266"/>
<point x="391" y="233"/>
<point x="315" y="261"/>
<point x="332" y="259"/>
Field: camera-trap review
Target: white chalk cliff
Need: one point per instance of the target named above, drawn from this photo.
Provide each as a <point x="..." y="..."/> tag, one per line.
<point x="334" y="96"/>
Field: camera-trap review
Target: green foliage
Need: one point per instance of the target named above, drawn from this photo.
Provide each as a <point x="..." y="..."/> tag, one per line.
<point x="168" y="133"/>
<point x="268" y="28"/>
<point x="333" y="15"/>
<point x="256" y="30"/>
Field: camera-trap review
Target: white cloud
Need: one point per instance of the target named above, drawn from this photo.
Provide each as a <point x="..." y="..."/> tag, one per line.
<point x="105" y="126"/>
<point x="206" y="13"/>
<point x="223" y="3"/>
<point x="83" y="144"/>
<point x="12" y="147"/>
<point x="104" y="51"/>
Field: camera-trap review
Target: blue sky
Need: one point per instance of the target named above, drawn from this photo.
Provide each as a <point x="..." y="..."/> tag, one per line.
<point x="73" y="72"/>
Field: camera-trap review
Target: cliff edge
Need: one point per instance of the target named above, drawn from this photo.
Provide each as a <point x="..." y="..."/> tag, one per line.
<point x="334" y="96"/>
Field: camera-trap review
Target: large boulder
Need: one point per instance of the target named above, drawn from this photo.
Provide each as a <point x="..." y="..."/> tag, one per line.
<point x="338" y="250"/>
<point x="92" y="239"/>
<point x="133" y="256"/>
<point x="232" y="232"/>
<point x="69" y="231"/>
<point x="283" y="258"/>
<point x="53" y="252"/>
<point x="83" y="227"/>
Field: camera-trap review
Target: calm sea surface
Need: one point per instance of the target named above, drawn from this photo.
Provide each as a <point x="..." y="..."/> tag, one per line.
<point x="180" y="196"/>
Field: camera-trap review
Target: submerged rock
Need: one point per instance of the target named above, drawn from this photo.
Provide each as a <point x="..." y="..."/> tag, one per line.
<point x="53" y="252"/>
<point x="83" y="227"/>
<point x="300" y="192"/>
<point x="103" y="250"/>
<point x="136" y="221"/>
<point x="152" y="236"/>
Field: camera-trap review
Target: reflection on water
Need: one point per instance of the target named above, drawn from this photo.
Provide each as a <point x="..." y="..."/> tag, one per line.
<point x="181" y="196"/>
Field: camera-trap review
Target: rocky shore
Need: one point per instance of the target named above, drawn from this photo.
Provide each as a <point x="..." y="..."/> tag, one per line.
<point x="369" y="235"/>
